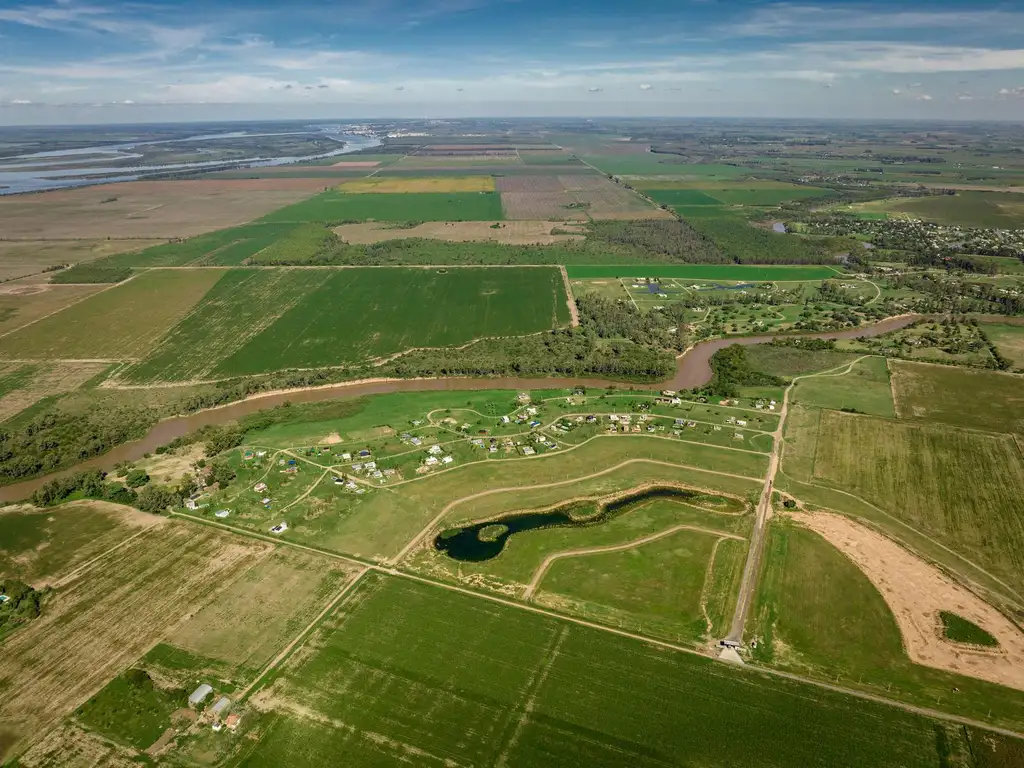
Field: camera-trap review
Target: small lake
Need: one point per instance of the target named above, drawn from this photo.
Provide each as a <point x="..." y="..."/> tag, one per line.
<point x="486" y="540"/>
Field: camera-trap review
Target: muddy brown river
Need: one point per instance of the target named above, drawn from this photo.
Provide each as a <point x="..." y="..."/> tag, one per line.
<point x="693" y="369"/>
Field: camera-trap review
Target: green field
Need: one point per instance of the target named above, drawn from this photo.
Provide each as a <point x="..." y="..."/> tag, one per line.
<point x="864" y="389"/>
<point x="357" y="314"/>
<point x="528" y="690"/>
<point x="674" y="197"/>
<point x="793" y="361"/>
<point x="225" y="246"/>
<point x="813" y="600"/>
<point x="740" y="240"/>
<point x="337" y="207"/>
<point x="704" y="272"/>
<point x="999" y="210"/>
<point x="733" y="194"/>
<point x="960" y="630"/>
<point x="1009" y="340"/>
<point x="959" y="396"/>
<point x="960" y="487"/>
<point x="122" y="322"/>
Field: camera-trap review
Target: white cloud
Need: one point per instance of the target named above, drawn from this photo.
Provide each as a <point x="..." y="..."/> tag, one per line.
<point x="924" y="97"/>
<point x="791" y="19"/>
<point x="645" y="86"/>
<point x="896" y="91"/>
<point x="595" y="89"/>
<point x="20" y="102"/>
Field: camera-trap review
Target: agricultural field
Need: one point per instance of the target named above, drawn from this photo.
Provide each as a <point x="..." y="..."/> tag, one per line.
<point x="864" y="389"/>
<point x="24" y="384"/>
<point x="21" y="305"/>
<point x="793" y="361"/>
<point x="533" y="706"/>
<point x="1000" y="210"/>
<point x="117" y="324"/>
<point x="1009" y="340"/>
<point x="510" y="232"/>
<point x="18" y="259"/>
<point x="738" y="193"/>
<point x="734" y="272"/>
<point x="578" y="197"/>
<point x="958" y="396"/>
<point x="445" y="184"/>
<point x="107" y="617"/>
<point x="961" y="487"/>
<point x="337" y="207"/>
<point x="148" y="209"/>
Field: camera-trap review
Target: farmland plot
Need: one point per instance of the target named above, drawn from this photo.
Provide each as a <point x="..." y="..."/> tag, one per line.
<point x="511" y="232"/>
<point x="542" y="205"/>
<point x="378" y="682"/>
<point x="24" y="304"/>
<point x="108" y="617"/>
<point x="383" y="185"/>
<point x="243" y="304"/>
<point x="44" y="381"/>
<point x="117" y="324"/>
<point x="226" y="246"/>
<point x="367" y="313"/>
<point x="337" y="207"/>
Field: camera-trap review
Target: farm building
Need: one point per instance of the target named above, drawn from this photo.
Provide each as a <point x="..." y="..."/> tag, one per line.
<point x="222" y="513"/>
<point x="199" y="694"/>
<point x="220" y="706"/>
<point x="260" y="487"/>
<point x="232" y="721"/>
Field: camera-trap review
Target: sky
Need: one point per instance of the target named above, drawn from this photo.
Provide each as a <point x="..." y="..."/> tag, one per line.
<point x="90" y="61"/>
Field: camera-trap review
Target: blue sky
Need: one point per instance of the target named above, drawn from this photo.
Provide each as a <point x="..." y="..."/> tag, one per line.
<point x="95" y="61"/>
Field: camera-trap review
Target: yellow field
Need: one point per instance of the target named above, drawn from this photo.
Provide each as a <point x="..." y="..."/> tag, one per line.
<point x="109" y="616"/>
<point x="427" y="184"/>
<point x="264" y="609"/>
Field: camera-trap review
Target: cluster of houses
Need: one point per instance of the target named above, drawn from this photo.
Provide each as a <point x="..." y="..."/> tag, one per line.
<point x="219" y="713"/>
<point x="436" y="457"/>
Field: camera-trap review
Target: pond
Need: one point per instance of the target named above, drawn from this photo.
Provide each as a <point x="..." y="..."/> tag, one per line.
<point x="486" y="540"/>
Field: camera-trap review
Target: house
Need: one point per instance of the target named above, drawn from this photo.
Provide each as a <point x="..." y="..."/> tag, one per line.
<point x="192" y="502"/>
<point x="669" y="392"/>
<point x="339" y="481"/>
<point x="505" y="420"/>
<point x="528" y="451"/>
<point x="346" y="457"/>
<point x="199" y="694"/>
<point x="279" y="528"/>
<point x="364" y="454"/>
<point x="447" y="460"/>
<point x="416" y="441"/>
<point x="434" y="449"/>
<point x="431" y="461"/>
<point x="260" y="487"/>
<point x="220" y="706"/>
<point x="232" y="721"/>
<point x="222" y="513"/>
<point x="370" y="466"/>
<point x="260" y="454"/>
<point x="265" y="500"/>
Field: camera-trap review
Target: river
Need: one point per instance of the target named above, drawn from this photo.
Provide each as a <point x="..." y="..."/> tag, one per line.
<point x="693" y="369"/>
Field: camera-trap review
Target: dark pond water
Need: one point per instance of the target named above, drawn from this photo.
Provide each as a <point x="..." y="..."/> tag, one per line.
<point x="466" y="544"/>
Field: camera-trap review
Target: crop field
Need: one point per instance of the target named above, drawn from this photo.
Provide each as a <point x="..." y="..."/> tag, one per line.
<point x="662" y="588"/>
<point x="510" y="232"/>
<point x="738" y="193"/>
<point x="107" y="617"/>
<point x="24" y="304"/>
<point x="393" y="185"/>
<point x="571" y="196"/>
<point x="1009" y="340"/>
<point x="957" y="396"/>
<point x="553" y="694"/>
<point x="237" y="309"/>
<point x="336" y="207"/>
<point x="962" y="488"/>
<point x="793" y="361"/>
<point x="385" y="312"/>
<point x="743" y="272"/>
<point x="28" y="384"/>
<point x="21" y="258"/>
<point x="262" y="609"/>
<point x="966" y="209"/>
<point x="119" y="323"/>
<point x="864" y="389"/>
<point x="147" y="209"/>
<point x="813" y="599"/>
<point x="41" y="546"/>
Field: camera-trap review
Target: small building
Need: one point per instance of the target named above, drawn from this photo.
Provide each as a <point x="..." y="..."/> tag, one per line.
<point x="193" y="501"/>
<point x="260" y="487"/>
<point x="199" y="695"/>
<point x="222" y="513"/>
<point x="364" y="453"/>
<point x="346" y="457"/>
<point x="279" y="528"/>
<point x="435" y="449"/>
<point x="447" y="460"/>
<point x="232" y="721"/>
<point x="220" y="706"/>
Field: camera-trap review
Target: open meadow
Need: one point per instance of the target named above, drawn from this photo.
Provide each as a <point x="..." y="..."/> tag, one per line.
<point x="338" y="207"/>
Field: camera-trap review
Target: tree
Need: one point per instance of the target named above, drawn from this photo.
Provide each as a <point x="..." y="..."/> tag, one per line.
<point x="155" y="499"/>
<point x="136" y="478"/>
<point x="221" y="472"/>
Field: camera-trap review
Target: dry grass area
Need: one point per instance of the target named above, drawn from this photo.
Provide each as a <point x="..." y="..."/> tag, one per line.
<point x="401" y="185"/>
<point x="24" y="304"/>
<point x="70" y="746"/>
<point x="579" y="197"/>
<point x="532" y="184"/>
<point x="916" y="592"/>
<point x="263" y="609"/>
<point x="357" y="164"/>
<point x="167" y="468"/>
<point x="49" y="379"/>
<point x="108" y="617"/>
<point x="511" y="232"/>
<point x="149" y="209"/>
<point x="19" y="258"/>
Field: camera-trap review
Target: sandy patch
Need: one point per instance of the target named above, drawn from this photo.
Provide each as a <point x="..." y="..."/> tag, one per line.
<point x="357" y="164"/>
<point x="915" y="592"/>
<point x="512" y="232"/>
<point x="332" y="439"/>
<point x="168" y="468"/>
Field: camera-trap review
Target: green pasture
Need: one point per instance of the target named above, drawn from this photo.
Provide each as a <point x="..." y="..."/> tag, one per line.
<point x="224" y="247"/>
<point x="685" y="197"/>
<point x="864" y="389"/>
<point x="338" y="207"/>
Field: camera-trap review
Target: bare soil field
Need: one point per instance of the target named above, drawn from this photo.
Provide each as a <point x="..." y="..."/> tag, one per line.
<point x="512" y="232"/>
<point x="528" y="184"/>
<point x="72" y="747"/>
<point x="401" y="185"/>
<point x="572" y="196"/>
<point x="105" y="619"/>
<point x="542" y="205"/>
<point x="50" y="379"/>
<point x="263" y="609"/>
<point x="24" y="304"/>
<point x="356" y="164"/>
<point x="915" y="592"/>
<point x="148" y="209"/>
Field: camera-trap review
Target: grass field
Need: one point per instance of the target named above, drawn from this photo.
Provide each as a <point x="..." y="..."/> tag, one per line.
<point x="812" y="600"/>
<point x="427" y="184"/>
<point x="25" y="304"/>
<point x="25" y="386"/>
<point x="792" y="361"/>
<point x="1009" y="340"/>
<point x="224" y="247"/>
<point x="864" y="389"/>
<point x="527" y="690"/>
<point x="387" y="311"/>
<point x="511" y="232"/>
<point x="963" y="488"/>
<point x="39" y="546"/>
<point x="958" y="396"/>
<point x="337" y="207"/>
<point x="703" y="272"/>
<point x="1001" y="210"/>
<point x="27" y="258"/>
<point x="122" y="322"/>
<point x="108" y="617"/>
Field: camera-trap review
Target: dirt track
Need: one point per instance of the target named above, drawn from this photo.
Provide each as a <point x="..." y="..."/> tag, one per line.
<point x="916" y="591"/>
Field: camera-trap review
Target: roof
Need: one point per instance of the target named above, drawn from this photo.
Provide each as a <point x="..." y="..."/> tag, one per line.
<point x="222" y="703"/>
<point x="200" y="693"/>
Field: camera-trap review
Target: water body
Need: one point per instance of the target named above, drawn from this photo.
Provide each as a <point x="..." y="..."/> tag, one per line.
<point x="693" y="369"/>
<point x="465" y="544"/>
<point x="39" y="171"/>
